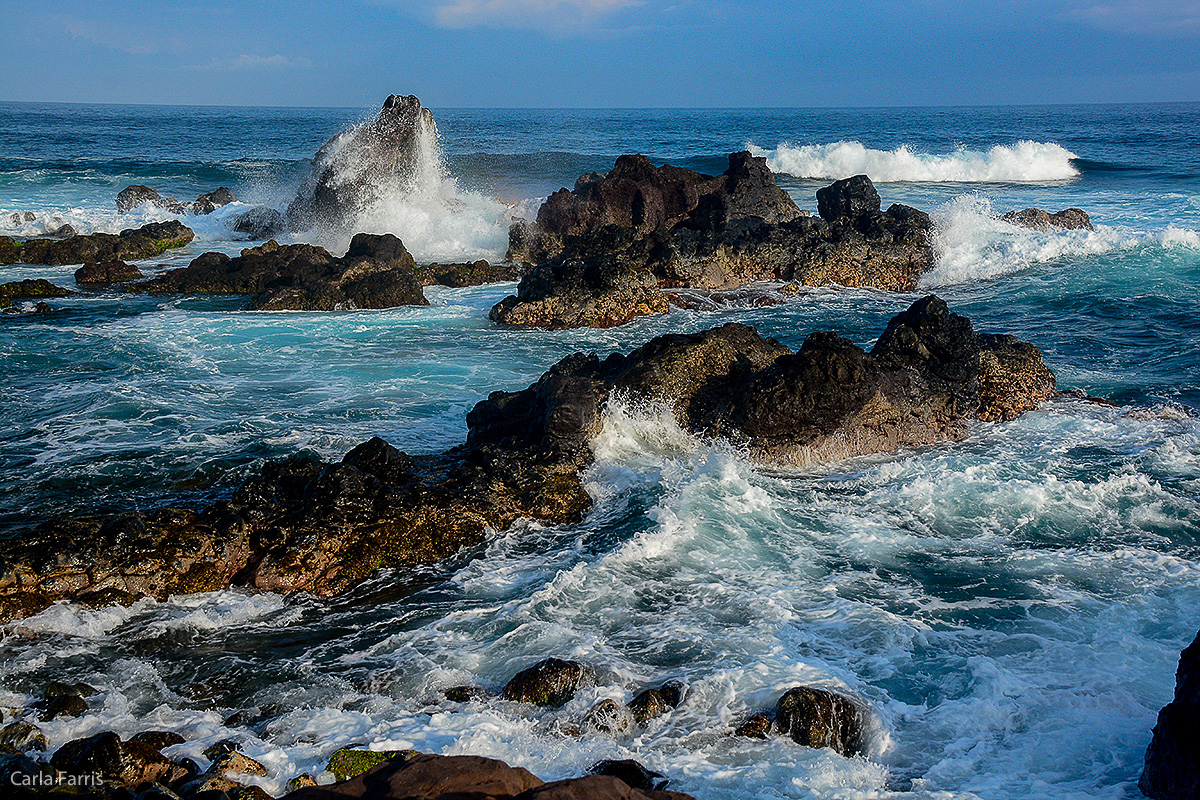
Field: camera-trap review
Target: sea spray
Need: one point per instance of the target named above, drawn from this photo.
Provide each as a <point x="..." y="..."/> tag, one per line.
<point x="1023" y="162"/>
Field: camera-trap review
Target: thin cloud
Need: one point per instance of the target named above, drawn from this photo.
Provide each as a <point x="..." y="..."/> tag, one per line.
<point x="557" y="15"/>
<point x="245" y="62"/>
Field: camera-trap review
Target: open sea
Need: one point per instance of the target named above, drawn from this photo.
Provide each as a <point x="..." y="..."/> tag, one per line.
<point x="1011" y="607"/>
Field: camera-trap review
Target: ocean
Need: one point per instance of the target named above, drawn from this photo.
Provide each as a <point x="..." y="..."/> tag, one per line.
<point x="1011" y="607"/>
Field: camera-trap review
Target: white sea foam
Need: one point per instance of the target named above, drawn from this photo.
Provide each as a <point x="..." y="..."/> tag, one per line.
<point x="1023" y="162"/>
<point x="434" y="218"/>
<point x="972" y="243"/>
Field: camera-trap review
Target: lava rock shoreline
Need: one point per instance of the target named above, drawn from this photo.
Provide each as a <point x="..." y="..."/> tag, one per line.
<point x="307" y="525"/>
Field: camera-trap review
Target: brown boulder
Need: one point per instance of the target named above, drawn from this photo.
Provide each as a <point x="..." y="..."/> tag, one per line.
<point x="105" y="272"/>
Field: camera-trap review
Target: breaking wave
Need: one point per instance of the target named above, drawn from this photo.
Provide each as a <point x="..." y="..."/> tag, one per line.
<point x="1023" y="162"/>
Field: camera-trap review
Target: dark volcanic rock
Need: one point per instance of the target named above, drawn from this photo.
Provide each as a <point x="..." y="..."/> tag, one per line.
<point x="29" y="289"/>
<point x="1036" y="218"/>
<point x="551" y="682"/>
<point x="132" y="243"/>
<point x="605" y="251"/>
<point x="376" y="272"/>
<point x="105" y="272"/>
<point x="319" y="527"/>
<point x="818" y="718"/>
<point x="23" y="736"/>
<point x="356" y="167"/>
<point x="259" y="222"/>
<point x="131" y="197"/>
<point x="1172" y="770"/>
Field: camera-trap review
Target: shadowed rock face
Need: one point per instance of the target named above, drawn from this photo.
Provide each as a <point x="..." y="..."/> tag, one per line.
<point x="1172" y="770"/>
<point x="819" y="718"/>
<point x="352" y="169"/>
<point x="376" y="272"/>
<point x="605" y="250"/>
<point x="133" y="196"/>
<point x="318" y="527"/>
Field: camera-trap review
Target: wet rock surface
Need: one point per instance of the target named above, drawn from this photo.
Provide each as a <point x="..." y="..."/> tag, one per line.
<point x="818" y="718"/>
<point x="1172" y="766"/>
<point x="259" y="222"/>
<point x="304" y="524"/>
<point x="603" y="253"/>
<point x="356" y="167"/>
<point x="147" y="241"/>
<point x="1036" y="218"/>
<point x="376" y="272"/>
<point x="551" y="682"/>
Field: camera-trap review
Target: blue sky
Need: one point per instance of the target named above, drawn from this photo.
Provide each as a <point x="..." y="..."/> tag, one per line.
<point x="601" y="53"/>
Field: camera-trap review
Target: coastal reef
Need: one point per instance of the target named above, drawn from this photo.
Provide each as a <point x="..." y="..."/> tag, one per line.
<point x="307" y="525"/>
<point x="377" y="271"/>
<point x="147" y="241"/>
<point x="602" y="253"/>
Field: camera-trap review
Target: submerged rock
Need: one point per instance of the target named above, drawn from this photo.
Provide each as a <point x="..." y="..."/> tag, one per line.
<point x="376" y="272"/>
<point x="131" y="197"/>
<point x="1036" y="218"/>
<point x="1172" y="767"/>
<point x="145" y="242"/>
<point x="307" y="525"/>
<point x="605" y="251"/>
<point x="356" y="167"/>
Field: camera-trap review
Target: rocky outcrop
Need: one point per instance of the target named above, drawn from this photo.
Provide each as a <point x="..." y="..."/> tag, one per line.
<point x="133" y="243"/>
<point x="433" y="777"/>
<point x="376" y="272"/>
<point x="106" y="272"/>
<point x="1067" y="219"/>
<point x="29" y="289"/>
<point x="605" y="251"/>
<point x="1172" y="769"/>
<point x="356" y="167"/>
<point x="131" y="197"/>
<point x="321" y="527"/>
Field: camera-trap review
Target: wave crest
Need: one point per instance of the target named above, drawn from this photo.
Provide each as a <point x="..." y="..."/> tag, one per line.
<point x="1023" y="162"/>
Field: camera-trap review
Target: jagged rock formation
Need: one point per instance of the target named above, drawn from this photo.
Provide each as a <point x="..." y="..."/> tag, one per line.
<point x="376" y="272"/>
<point x="354" y="168"/>
<point x="132" y="243"/>
<point x="106" y="272"/>
<point x="1068" y="219"/>
<point x="1172" y="770"/>
<point x="131" y="197"/>
<point x="605" y="250"/>
<point x="322" y="528"/>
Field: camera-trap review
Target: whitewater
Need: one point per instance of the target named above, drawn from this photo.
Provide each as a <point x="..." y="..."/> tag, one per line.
<point x="1010" y="607"/>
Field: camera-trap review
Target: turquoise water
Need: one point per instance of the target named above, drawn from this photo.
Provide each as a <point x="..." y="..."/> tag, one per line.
<point x="1011" y="606"/>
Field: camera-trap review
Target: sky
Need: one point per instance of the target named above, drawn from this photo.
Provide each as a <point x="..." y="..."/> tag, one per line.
<point x="601" y="53"/>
